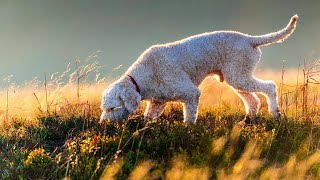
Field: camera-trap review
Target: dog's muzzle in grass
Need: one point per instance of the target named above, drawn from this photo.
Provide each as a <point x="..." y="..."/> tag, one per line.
<point x="113" y="114"/>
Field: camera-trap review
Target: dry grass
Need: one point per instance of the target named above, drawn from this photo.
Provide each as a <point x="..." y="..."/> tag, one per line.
<point x="77" y="91"/>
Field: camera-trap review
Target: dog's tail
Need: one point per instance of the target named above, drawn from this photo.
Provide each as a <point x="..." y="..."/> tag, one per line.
<point x="275" y="37"/>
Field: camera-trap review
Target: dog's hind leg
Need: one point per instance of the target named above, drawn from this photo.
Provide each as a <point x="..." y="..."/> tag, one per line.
<point x="251" y="102"/>
<point x="251" y="84"/>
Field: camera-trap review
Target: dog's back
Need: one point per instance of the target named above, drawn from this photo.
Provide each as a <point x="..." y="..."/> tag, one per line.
<point x="206" y="53"/>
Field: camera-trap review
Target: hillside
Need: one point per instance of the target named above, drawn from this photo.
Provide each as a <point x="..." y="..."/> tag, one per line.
<point x="50" y="130"/>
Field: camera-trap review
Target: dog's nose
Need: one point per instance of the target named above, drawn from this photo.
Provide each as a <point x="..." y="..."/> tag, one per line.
<point x="103" y="117"/>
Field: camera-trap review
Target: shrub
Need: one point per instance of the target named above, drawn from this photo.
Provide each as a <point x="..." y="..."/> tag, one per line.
<point x="38" y="164"/>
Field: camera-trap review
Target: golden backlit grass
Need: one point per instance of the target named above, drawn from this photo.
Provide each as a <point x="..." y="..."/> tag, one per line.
<point x="78" y="91"/>
<point x="37" y="97"/>
<point x="249" y="165"/>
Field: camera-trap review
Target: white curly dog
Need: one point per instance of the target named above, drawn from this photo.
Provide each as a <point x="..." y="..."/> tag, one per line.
<point x="173" y="72"/>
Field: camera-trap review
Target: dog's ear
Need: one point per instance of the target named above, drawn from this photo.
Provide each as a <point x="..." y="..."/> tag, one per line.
<point x="104" y="99"/>
<point x="131" y="99"/>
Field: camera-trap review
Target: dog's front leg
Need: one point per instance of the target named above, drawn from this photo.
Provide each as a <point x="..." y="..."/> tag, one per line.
<point x="153" y="110"/>
<point x="190" y="112"/>
<point x="190" y="107"/>
<point x="190" y="98"/>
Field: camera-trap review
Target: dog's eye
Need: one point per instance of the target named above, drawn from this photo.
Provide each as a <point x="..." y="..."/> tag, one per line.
<point x="111" y="109"/>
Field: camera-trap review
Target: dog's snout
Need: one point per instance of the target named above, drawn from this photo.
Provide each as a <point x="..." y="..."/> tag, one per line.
<point x="103" y="117"/>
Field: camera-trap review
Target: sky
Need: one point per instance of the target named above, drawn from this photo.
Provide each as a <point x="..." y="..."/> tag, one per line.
<point x="38" y="36"/>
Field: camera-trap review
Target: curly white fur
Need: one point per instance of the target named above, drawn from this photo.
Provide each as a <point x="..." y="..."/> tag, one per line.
<point x="173" y="72"/>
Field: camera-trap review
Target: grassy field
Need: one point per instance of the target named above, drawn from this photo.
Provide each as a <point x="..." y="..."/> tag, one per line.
<point x="49" y="130"/>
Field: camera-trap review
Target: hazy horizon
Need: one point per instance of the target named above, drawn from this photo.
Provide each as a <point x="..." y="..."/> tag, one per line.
<point x="40" y="37"/>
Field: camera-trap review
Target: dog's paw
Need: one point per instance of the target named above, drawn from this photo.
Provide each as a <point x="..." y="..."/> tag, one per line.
<point x="250" y="121"/>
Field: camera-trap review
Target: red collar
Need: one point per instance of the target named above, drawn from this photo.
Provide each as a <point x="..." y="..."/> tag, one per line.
<point x="135" y="83"/>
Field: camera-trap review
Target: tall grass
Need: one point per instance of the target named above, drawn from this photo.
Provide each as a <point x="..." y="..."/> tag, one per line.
<point x="77" y="85"/>
<point x="49" y="130"/>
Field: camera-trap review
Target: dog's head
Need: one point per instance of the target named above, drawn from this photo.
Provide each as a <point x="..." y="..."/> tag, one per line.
<point x="118" y="102"/>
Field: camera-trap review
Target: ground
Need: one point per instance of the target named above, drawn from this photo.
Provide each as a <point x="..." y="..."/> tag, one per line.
<point x="51" y="131"/>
